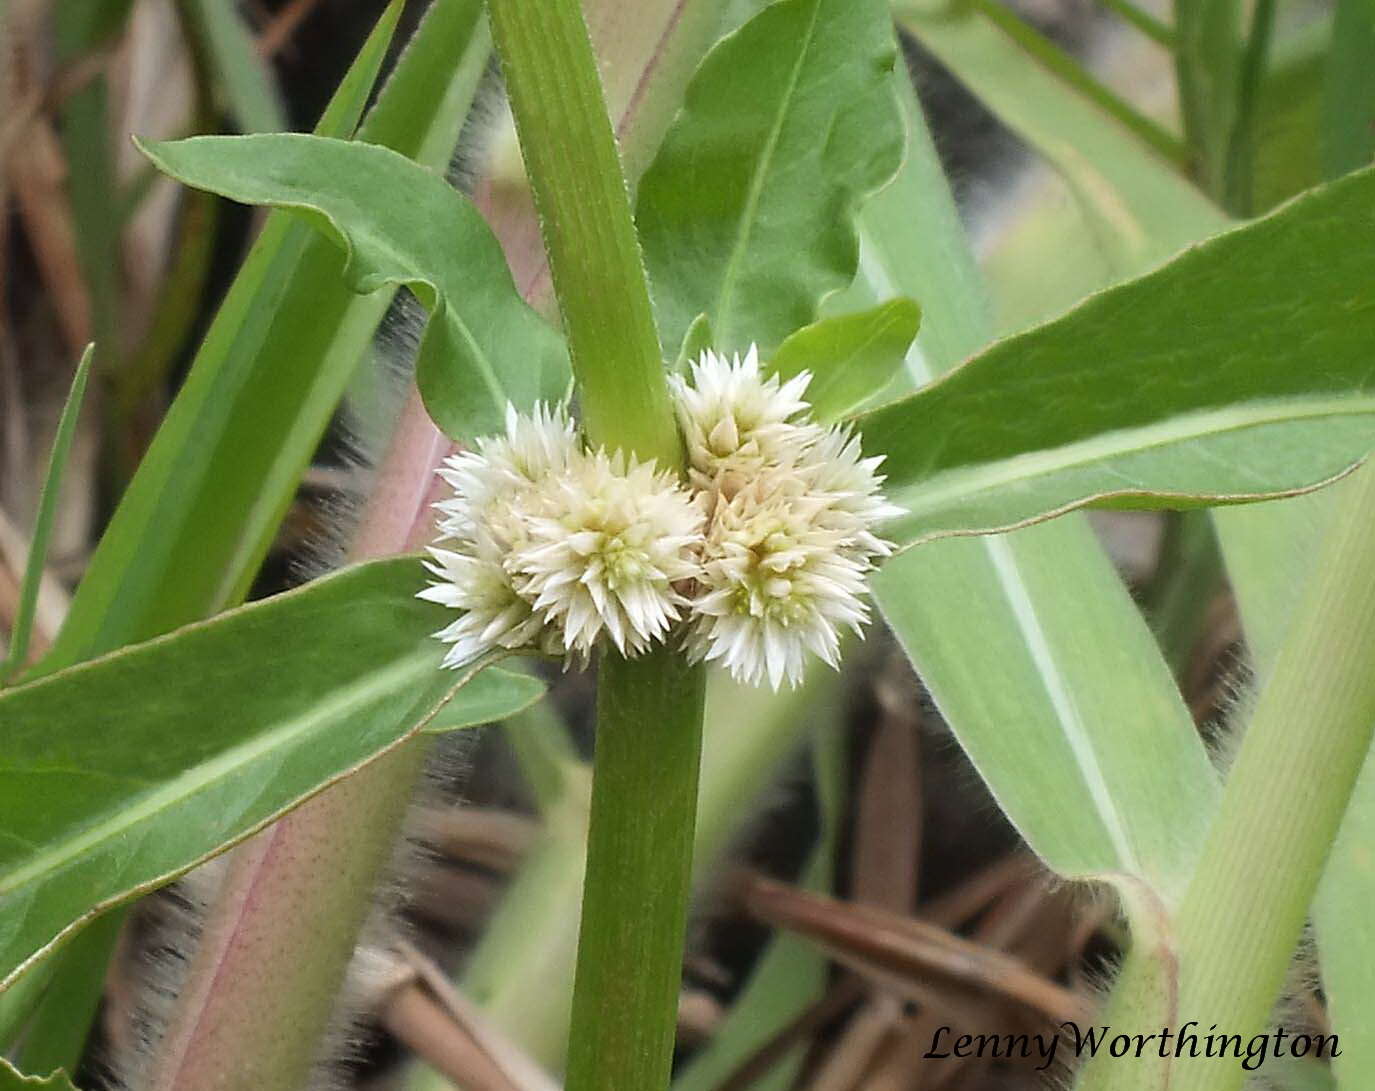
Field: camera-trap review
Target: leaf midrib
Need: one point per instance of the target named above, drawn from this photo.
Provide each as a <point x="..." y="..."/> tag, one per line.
<point x="762" y="167"/>
<point x="343" y="701"/>
<point x="941" y="491"/>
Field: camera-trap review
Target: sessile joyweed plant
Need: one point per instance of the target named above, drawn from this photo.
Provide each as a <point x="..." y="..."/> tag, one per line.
<point x="733" y="508"/>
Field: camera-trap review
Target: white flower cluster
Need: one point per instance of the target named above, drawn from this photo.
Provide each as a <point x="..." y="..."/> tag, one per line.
<point x="764" y="554"/>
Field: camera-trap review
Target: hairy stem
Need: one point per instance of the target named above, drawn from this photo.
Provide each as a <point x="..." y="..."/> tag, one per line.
<point x="639" y="869"/>
<point x="649" y="711"/>
<point x="352" y="840"/>
<point x="1241" y="916"/>
<point x="584" y="209"/>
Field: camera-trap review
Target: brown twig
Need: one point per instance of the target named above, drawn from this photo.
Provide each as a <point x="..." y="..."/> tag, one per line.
<point x="901" y="953"/>
<point x="283" y="26"/>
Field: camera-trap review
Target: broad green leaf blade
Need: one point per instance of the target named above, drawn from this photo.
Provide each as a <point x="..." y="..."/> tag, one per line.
<point x="851" y="357"/>
<point x="746" y="213"/>
<point x="43" y="524"/>
<point x="485" y="346"/>
<point x="1037" y="658"/>
<point x="10" y="1080"/>
<point x="243" y="74"/>
<point x="1182" y="386"/>
<point x="493" y="695"/>
<point x="170" y="751"/>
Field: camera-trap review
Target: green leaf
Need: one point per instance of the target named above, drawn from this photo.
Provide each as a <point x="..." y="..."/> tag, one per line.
<point x="1083" y="740"/>
<point x="851" y="357"/>
<point x="43" y="524"/>
<point x="244" y="76"/>
<point x="10" y="1080"/>
<point x="695" y="342"/>
<point x="194" y="525"/>
<point x="1208" y="65"/>
<point x="121" y="773"/>
<point x="399" y="224"/>
<point x="493" y="695"/>
<point x="1179" y="387"/>
<point x="746" y="214"/>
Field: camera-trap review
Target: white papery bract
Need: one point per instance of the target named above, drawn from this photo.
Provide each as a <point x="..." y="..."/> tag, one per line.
<point x="544" y="545"/>
<point x="737" y="422"/>
<point x="776" y="583"/>
<point x="605" y="552"/>
<point x="533" y="448"/>
<point x="792" y="533"/>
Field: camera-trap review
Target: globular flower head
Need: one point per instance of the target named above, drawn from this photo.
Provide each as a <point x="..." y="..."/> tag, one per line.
<point x="544" y="545"/>
<point x="736" y="421"/>
<point x="606" y="551"/>
<point x="850" y="485"/>
<point x="777" y="583"/>
<point x="765" y="553"/>
<point x="532" y="448"/>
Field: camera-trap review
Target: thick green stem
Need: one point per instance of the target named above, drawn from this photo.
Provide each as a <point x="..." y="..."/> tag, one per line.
<point x="1241" y="916"/>
<point x="584" y="209"/>
<point x="649" y="712"/>
<point x="639" y="866"/>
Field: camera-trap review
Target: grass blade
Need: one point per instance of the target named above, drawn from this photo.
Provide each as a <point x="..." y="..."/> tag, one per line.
<point x="1041" y="611"/>
<point x="244" y="77"/>
<point x="43" y="524"/>
<point x="199" y="515"/>
<point x="1348" y="119"/>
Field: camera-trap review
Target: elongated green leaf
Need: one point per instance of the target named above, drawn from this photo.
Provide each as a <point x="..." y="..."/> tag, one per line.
<point x="243" y="75"/>
<point x="745" y="215"/>
<point x="120" y="773"/>
<point x="43" y="524"/>
<point x="1180" y="385"/>
<point x="485" y="346"/>
<point x="1208" y="63"/>
<point x="1035" y="654"/>
<point x="10" y="1080"/>
<point x="851" y="357"/>
<point x="196" y="521"/>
